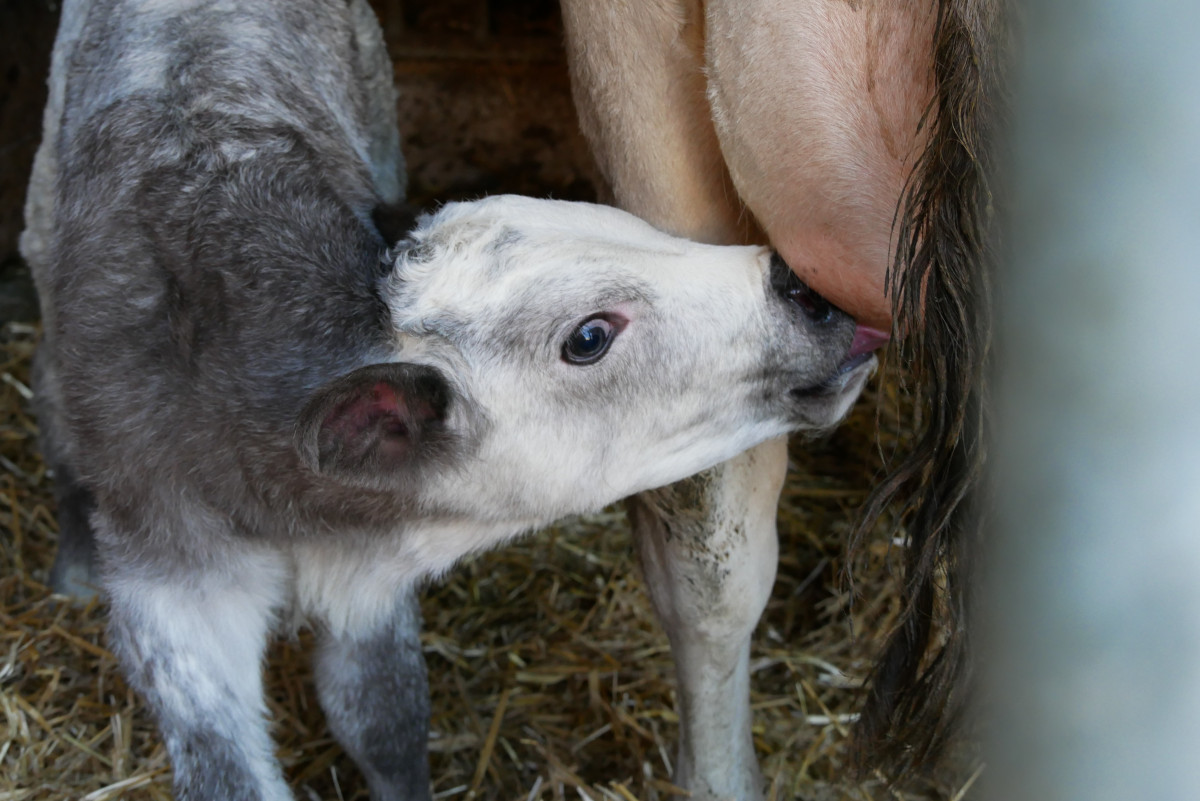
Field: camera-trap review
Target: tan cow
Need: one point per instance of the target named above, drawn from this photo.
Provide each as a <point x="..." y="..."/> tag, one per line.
<point x="851" y="135"/>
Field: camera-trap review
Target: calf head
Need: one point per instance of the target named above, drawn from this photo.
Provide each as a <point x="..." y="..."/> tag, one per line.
<point x="552" y="357"/>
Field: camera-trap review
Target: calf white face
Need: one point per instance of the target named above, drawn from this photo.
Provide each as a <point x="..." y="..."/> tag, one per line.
<point x="571" y="355"/>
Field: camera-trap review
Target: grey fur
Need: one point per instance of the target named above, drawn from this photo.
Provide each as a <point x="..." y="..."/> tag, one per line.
<point x="254" y="408"/>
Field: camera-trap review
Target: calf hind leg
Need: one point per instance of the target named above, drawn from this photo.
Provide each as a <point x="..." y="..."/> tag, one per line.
<point x="375" y="693"/>
<point x="709" y="551"/>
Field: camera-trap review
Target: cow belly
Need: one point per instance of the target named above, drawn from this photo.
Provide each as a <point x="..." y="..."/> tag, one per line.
<point x="804" y="113"/>
<point x="817" y="107"/>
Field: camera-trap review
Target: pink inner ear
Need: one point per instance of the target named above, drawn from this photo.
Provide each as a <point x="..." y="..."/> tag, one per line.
<point x="366" y="411"/>
<point x="383" y="397"/>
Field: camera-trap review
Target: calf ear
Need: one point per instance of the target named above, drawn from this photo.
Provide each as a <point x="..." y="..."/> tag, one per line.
<point x="375" y="422"/>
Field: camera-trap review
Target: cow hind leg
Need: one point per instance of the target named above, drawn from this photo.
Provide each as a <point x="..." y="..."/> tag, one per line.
<point x="709" y="551"/>
<point x="373" y="687"/>
<point x="707" y="545"/>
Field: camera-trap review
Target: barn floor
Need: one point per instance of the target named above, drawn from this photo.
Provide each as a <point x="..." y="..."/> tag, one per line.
<point x="549" y="675"/>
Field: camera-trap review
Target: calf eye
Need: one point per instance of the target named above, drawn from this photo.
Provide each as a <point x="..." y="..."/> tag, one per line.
<point x="589" y="341"/>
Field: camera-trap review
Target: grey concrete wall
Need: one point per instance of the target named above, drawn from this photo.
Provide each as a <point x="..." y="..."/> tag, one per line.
<point x="1095" y="660"/>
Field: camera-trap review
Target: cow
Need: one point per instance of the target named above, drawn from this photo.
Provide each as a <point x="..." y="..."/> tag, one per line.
<point x="261" y="407"/>
<point x="857" y="138"/>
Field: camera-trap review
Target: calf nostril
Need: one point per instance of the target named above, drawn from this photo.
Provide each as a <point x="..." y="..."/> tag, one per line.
<point x="815" y="306"/>
<point x="791" y="287"/>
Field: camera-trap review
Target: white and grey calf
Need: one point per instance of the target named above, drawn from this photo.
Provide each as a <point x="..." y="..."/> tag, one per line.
<point x="258" y="411"/>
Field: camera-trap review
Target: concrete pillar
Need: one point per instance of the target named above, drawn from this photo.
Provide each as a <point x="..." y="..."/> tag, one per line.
<point x="1095" y="593"/>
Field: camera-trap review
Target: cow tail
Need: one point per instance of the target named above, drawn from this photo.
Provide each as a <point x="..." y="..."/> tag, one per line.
<point x="940" y="285"/>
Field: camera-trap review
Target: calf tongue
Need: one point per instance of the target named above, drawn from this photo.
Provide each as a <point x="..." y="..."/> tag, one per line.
<point x="866" y="340"/>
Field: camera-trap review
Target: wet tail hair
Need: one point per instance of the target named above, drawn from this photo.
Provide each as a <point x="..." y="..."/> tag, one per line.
<point x="940" y="285"/>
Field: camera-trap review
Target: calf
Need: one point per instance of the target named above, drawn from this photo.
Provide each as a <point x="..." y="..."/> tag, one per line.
<point x="257" y="410"/>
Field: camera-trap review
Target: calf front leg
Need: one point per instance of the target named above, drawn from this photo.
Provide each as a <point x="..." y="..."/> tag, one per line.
<point x="374" y="690"/>
<point x="192" y="644"/>
<point x="709" y="552"/>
